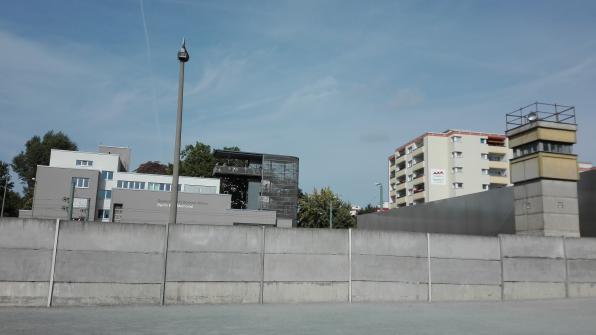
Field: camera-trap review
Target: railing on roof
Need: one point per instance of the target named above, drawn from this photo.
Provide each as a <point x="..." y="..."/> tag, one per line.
<point x="543" y="112"/>
<point x="237" y="170"/>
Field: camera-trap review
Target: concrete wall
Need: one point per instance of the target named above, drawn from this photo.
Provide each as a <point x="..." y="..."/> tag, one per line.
<point x="110" y="264"/>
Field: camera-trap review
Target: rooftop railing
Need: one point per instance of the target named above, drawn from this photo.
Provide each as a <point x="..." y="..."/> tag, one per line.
<point x="540" y="111"/>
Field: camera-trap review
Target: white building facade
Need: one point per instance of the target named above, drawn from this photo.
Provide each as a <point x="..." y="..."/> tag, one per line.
<point x="436" y="166"/>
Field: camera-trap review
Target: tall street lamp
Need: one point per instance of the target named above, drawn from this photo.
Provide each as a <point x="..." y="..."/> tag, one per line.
<point x="183" y="57"/>
<point x="380" y="196"/>
<point x="6" y="180"/>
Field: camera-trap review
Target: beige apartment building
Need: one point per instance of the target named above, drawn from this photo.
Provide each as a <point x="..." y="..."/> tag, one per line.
<point x="436" y="166"/>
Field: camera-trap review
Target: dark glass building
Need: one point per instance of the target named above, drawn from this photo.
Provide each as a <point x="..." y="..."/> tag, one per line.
<point x="272" y="181"/>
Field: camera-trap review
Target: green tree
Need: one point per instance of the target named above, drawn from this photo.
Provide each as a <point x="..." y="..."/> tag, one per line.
<point x="198" y="161"/>
<point x="12" y="203"/>
<point x="37" y="152"/>
<point x="152" y="167"/>
<point x="314" y="210"/>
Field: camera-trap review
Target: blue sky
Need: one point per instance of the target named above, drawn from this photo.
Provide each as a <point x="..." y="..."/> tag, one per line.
<point x="338" y="83"/>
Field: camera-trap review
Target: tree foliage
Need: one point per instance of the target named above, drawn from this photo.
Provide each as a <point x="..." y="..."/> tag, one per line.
<point x="152" y="167"/>
<point x="12" y="203"/>
<point x="314" y="210"/>
<point x="37" y="152"/>
<point x="198" y="161"/>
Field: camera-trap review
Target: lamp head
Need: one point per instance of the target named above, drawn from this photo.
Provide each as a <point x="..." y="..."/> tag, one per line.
<point x="183" y="55"/>
<point x="532" y="117"/>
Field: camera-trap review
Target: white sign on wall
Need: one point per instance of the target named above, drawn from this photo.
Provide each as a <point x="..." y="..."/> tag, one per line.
<point x="438" y="176"/>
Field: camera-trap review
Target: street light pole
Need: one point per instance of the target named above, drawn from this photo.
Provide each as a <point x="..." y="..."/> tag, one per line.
<point x="183" y="57"/>
<point x="330" y="214"/>
<point x="380" y="196"/>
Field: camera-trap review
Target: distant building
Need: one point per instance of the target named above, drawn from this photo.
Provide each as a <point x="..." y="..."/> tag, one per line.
<point x="436" y="166"/>
<point x="272" y="181"/>
<point x="103" y="190"/>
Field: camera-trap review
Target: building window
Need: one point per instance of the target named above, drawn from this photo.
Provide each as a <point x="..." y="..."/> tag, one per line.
<point x="455" y="139"/>
<point x="132" y="185"/>
<point x="163" y="187"/>
<point x="105" y="194"/>
<point x="457" y="154"/>
<point x="200" y="189"/>
<point x="485" y="171"/>
<point x="458" y="185"/>
<point x="80" y="182"/>
<point x="483" y="141"/>
<point x="409" y="163"/>
<point x="103" y="213"/>
<point x="484" y="156"/>
<point x="81" y="162"/>
<point x="410" y="177"/>
<point x="107" y="175"/>
<point x="457" y="169"/>
<point x="485" y="186"/>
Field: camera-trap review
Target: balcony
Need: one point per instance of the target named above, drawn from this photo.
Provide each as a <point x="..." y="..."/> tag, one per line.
<point x="496" y="179"/>
<point x="400" y="159"/>
<point x="400" y="201"/>
<point x="400" y="187"/>
<point x="498" y="164"/>
<point x="418" y="180"/>
<point x="237" y="170"/>
<point x="417" y="166"/>
<point x="492" y="149"/>
<point x="400" y="173"/>
<point x="418" y="195"/>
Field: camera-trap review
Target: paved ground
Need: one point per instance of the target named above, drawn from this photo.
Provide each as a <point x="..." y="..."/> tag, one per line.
<point x="522" y="317"/>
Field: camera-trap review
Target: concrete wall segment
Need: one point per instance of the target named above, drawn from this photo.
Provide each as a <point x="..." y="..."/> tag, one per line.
<point x="117" y="237"/>
<point x="27" y="233"/>
<point x="465" y="271"/>
<point x="580" y="248"/>
<point x="533" y="270"/>
<point x="532" y="246"/>
<point x="306" y="241"/>
<point x="464" y="247"/>
<point x="196" y="238"/>
<point x="389" y="269"/>
<point x="372" y="242"/>
<point x="208" y="267"/>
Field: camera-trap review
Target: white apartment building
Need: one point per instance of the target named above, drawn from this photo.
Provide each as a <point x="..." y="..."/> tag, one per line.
<point x="112" y="164"/>
<point x="436" y="166"/>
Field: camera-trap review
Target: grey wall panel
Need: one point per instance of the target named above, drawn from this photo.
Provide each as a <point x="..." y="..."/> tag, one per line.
<point x="212" y="293"/>
<point x="586" y="198"/>
<point x="464" y="247"/>
<point x="370" y="291"/>
<point x="534" y="269"/>
<point x="581" y="248"/>
<point x="102" y="266"/>
<point x="304" y="268"/>
<point x="27" y="233"/>
<point x="582" y="271"/>
<point x="215" y="239"/>
<point x="370" y="242"/>
<point x="93" y="294"/>
<point x="486" y="213"/>
<point x="532" y="246"/>
<point x="389" y="268"/>
<point x="23" y="293"/>
<point x="305" y="292"/>
<point x="25" y="265"/>
<point x="111" y="237"/>
<point x="205" y="266"/>
<point x="465" y="271"/>
<point x="306" y="241"/>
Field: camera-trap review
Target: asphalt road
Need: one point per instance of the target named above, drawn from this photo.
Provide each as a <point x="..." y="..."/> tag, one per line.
<point x="572" y="316"/>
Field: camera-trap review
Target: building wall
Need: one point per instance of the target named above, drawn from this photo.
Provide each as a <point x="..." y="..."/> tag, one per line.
<point x="438" y="149"/>
<point x="153" y="207"/>
<point x="53" y="185"/>
<point x="98" y="264"/>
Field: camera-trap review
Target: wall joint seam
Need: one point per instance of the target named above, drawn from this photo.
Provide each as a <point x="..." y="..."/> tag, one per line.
<point x="430" y="295"/>
<point x="52" y="269"/>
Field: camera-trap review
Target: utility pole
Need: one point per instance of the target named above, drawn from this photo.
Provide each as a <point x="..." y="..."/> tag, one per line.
<point x="183" y="57"/>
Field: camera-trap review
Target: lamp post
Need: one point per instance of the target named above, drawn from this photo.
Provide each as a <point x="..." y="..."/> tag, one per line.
<point x="183" y="57"/>
<point x="380" y="196"/>
<point x="330" y="214"/>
